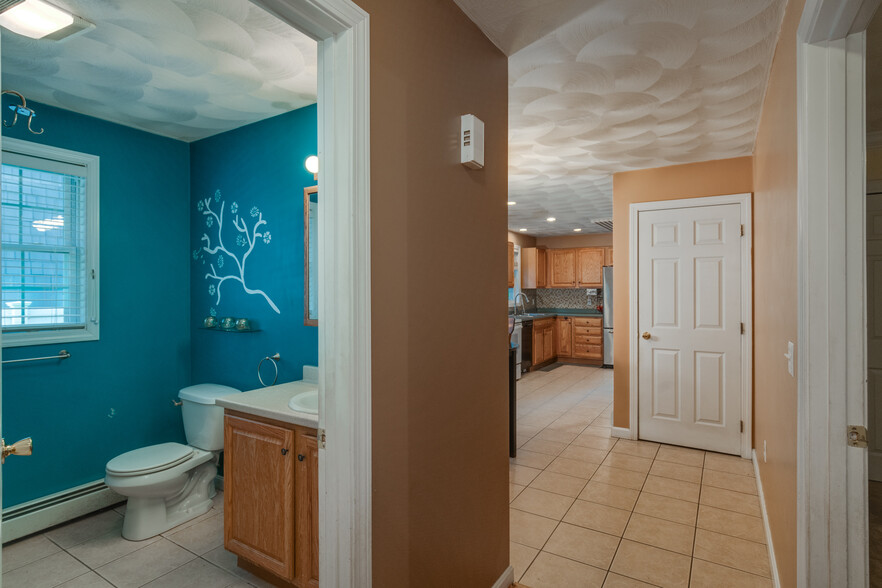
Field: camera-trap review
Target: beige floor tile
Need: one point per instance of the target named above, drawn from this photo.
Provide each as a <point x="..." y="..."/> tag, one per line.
<point x="741" y="554"/>
<point x="736" y="482"/>
<point x="651" y="564"/>
<point x="520" y="557"/>
<point x="710" y="575"/>
<point x="673" y="488"/>
<point x="86" y="528"/>
<point x="201" y="537"/>
<point x="681" y="455"/>
<point x="21" y="553"/>
<point x="558" y="483"/>
<point x="522" y="440"/>
<point x="529" y="529"/>
<point x="547" y="447"/>
<point x="598" y="431"/>
<point x="90" y="580"/>
<point x="228" y="561"/>
<point x="660" y="533"/>
<point x="617" y="581"/>
<point x="573" y="467"/>
<point x="599" y="517"/>
<point x="615" y="496"/>
<point x="584" y="454"/>
<point x="619" y="477"/>
<point x="731" y="523"/>
<point x="106" y="548"/>
<point x="531" y="459"/>
<point x="728" y="463"/>
<point x="644" y="449"/>
<point x="542" y="503"/>
<point x="627" y="462"/>
<point x="521" y="475"/>
<point x="594" y="442"/>
<point x="676" y="471"/>
<point x="583" y="545"/>
<point x="552" y="571"/>
<point x="562" y="436"/>
<point x="514" y="490"/>
<point x="195" y="573"/>
<point x="45" y="573"/>
<point x="144" y="565"/>
<point x="730" y="500"/>
<point x="670" y="509"/>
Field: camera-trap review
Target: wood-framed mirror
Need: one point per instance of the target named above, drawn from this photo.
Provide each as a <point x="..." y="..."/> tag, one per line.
<point x="310" y="256"/>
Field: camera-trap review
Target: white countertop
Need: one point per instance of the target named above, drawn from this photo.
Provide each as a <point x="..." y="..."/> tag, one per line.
<point x="272" y="403"/>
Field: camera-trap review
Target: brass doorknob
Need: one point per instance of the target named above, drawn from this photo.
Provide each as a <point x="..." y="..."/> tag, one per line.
<point x="23" y="447"/>
<point x="647" y="336"/>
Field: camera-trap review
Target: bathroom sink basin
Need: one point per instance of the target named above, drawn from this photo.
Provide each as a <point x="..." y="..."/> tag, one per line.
<point x="305" y="402"/>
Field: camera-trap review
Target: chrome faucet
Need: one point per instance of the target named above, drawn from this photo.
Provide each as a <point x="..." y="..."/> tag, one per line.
<point x="523" y="304"/>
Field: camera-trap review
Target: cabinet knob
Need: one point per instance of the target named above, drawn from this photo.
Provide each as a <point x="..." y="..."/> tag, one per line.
<point x="300" y="457"/>
<point x="284" y="451"/>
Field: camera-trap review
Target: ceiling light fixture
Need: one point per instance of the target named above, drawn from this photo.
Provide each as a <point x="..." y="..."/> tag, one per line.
<point x="511" y="202"/>
<point x="523" y="230"/>
<point x="577" y="230"/>
<point x="40" y="20"/>
<point x="551" y="219"/>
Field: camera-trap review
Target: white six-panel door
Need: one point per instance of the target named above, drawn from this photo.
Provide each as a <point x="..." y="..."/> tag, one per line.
<point x="690" y="325"/>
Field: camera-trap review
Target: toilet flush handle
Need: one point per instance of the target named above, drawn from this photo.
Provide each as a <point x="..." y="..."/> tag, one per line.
<point x="177" y="402"/>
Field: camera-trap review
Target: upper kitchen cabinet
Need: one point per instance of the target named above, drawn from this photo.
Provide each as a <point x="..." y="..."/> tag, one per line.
<point x="510" y="264"/>
<point x="562" y="268"/>
<point x="609" y="256"/>
<point x="533" y="267"/>
<point x="590" y="267"/>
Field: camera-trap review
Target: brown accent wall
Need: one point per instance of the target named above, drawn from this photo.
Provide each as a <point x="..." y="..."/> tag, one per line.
<point x="775" y="280"/>
<point x="586" y="240"/>
<point x="439" y="383"/>
<point x="692" y="180"/>
<point x="521" y="240"/>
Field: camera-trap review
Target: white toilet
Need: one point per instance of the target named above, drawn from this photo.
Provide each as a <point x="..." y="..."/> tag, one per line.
<point x="170" y="483"/>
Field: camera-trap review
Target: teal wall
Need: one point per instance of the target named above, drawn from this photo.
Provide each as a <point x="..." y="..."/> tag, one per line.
<point x="258" y="167"/>
<point x="114" y="394"/>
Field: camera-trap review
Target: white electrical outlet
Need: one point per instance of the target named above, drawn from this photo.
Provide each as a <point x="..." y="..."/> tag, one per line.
<point x="764" y="451"/>
<point x="789" y="356"/>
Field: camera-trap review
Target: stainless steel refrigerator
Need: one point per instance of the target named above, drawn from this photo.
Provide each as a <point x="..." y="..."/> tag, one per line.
<point x="607" y="315"/>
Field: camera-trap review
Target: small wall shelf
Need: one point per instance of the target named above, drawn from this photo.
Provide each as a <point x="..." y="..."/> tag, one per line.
<point x="231" y="330"/>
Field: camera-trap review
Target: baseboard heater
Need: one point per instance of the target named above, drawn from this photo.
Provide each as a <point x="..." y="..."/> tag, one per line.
<point x="36" y="515"/>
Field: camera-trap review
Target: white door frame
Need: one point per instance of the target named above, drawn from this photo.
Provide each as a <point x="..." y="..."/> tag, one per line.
<point x="831" y="497"/>
<point x="744" y="200"/>
<point x="344" y="284"/>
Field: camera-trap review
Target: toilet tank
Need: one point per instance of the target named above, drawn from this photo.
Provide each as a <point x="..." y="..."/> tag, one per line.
<point x="203" y="419"/>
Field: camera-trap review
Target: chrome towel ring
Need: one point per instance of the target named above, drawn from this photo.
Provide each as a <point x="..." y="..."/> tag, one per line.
<point x="273" y="359"/>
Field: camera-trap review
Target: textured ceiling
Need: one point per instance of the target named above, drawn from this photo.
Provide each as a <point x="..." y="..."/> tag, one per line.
<point x="186" y="69"/>
<point x="598" y="87"/>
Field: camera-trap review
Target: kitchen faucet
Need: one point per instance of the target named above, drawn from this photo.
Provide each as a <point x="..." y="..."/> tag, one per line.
<point x="523" y="304"/>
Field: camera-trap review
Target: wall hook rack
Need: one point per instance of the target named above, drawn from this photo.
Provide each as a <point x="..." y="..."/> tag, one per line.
<point x="21" y="109"/>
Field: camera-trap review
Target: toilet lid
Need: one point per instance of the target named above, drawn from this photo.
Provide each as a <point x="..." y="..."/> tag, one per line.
<point x="150" y="459"/>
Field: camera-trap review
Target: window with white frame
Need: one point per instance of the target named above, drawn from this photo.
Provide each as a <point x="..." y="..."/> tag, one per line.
<point x="513" y="292"/>
<point x="49" y="234"/>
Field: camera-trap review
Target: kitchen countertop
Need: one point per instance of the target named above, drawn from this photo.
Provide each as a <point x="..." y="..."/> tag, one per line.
<point x="542" y="313"/>
<point x="272" y="403"/>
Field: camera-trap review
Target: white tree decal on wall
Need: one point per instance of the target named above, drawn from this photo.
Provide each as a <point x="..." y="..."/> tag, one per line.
<point x="247" y="239"/>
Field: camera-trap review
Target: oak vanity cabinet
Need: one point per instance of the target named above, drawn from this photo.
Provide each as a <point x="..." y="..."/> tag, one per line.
<point x="271" y="498"/>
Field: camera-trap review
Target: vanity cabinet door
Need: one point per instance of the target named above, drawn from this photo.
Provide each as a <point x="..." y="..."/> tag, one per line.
<point x="307" y="508"/>
<point x="259" y="472"/>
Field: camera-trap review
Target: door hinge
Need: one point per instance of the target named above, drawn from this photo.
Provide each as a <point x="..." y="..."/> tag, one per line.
<point x="857" y="436"/>
<point x="742" y="230"/>
<point x="742" y="328"/>
<point x="321" y="438"/>
<point x="742" y="426"/>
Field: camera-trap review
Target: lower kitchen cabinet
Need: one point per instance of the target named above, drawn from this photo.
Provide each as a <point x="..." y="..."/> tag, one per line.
<point x="543" y="341"/>
<point x="564" y="336"/>
<point x="271" y="498"/>
<point x="588" y="338"/>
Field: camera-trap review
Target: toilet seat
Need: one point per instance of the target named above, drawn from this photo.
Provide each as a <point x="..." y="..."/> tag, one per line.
<point x="149" y="460"/>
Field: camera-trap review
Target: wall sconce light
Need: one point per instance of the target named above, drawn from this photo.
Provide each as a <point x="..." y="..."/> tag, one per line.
<point x="312" y="166"/>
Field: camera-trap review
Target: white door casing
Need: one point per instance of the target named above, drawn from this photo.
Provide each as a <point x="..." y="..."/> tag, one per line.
<point x="874" y="335"/>
<point x="691" y="291"/>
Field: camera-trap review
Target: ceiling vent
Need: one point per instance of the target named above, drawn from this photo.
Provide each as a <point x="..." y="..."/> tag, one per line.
<point x="604" y="223"/>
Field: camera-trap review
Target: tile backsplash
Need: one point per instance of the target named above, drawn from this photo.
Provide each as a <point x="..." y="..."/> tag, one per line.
<point x="566" y="298"/>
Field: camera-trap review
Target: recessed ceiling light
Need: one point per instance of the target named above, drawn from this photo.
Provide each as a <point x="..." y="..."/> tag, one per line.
<point x="551" y="219"/>
<point x="35" y="19"/>
<point x="523" y="230"/>
<point x="578" y="230"/>
<point x="511" y="202"/>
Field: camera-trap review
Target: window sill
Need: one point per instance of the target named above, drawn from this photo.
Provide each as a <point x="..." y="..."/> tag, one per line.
<point x="50" y="337"/>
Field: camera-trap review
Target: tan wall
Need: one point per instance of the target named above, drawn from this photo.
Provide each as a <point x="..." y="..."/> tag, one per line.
<point x="439" y="386"/>
<point x="775" y="279"/>
<point x="521" y="240"/>
<point x="693" y="180"/>
<point x="587" y="240"/>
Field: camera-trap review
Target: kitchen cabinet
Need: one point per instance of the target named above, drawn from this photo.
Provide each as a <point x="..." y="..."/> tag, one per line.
<point x="564" y="336"/>
<point x="608" y="255"/>
<point x="590" y="267"/>
<point x="271" y="498"/>
<point x="562" y="268"/>
<point x="533" y="267"/>
<point x="588" y="338"/>
<point x="543" y="341"/>
<point x="510" y="264"/>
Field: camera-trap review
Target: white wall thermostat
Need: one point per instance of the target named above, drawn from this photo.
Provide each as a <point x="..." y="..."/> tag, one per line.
<point x="471" y="140"/>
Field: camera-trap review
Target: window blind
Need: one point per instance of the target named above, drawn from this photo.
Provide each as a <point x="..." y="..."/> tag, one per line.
<point x="43" y="232"/>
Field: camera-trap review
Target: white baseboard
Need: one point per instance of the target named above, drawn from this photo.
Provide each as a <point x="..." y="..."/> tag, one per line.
<point x="759" y="486"/>
<point x="506" y="579"/>
<point x="36" y="515"/>
<point x="620" y="432"/>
